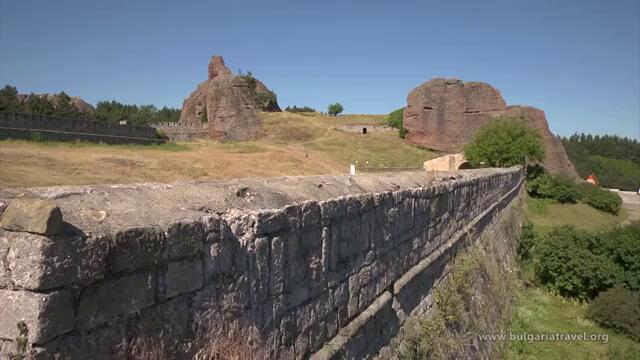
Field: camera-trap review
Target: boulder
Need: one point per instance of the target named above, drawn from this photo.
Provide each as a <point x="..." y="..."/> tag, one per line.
<point x="444" y="114"/>
<point x="229" y="104"/>
<point x="33" y="215"/>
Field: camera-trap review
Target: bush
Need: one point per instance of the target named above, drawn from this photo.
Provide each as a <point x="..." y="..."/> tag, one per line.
<point x="526" y="242"/>
<point x="395" y="120"/>
<point x="564" y="262"/>
<point x="335" y="109"/>
<point x="266" y="100"/>
<point x="553" y="187"/>
<point x="622" y="246"/>
<point x="503" y="143"/>
<point x="599" y="198"/>
<point x="618" y="309"/>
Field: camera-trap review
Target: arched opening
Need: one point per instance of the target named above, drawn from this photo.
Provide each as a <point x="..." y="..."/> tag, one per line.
<point x="464" y="165"/>
<point x="364" y="131"/>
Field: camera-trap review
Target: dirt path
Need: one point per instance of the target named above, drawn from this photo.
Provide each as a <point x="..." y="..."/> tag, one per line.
<point x="631" y="203"/>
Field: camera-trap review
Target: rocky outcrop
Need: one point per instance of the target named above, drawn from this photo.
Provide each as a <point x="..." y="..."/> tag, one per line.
<point x="444" y="114"/>
<point x="226" y="102"/>
<point x="77" y="101"/>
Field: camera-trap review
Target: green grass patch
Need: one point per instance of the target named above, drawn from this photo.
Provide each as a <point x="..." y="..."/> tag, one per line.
<point x="538" y="311"/>
<point x="544" y="214"/>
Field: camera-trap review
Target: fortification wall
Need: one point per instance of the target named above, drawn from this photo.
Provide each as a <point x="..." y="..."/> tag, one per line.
<point x="177" y="131"/>
<point x="25" y="126"/>
<point x="365" y="128"/>
<point x="326" y="267"/>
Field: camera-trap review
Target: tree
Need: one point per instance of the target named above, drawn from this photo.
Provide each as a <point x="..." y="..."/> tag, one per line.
<point x="504" y="142"/>
<point x="335" y="109"/>
<point x="9" y="99"/>
<point x="65" y="108"/>
<point x="39" y="105"/>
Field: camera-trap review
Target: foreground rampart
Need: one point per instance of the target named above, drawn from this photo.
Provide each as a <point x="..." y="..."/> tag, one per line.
<point x="325" y="266"/>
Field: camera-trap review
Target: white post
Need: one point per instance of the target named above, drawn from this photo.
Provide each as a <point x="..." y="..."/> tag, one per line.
<point x="352" y="170"/>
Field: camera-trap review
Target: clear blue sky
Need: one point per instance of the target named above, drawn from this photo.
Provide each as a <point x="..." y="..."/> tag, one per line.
<point x="577" y="60"/>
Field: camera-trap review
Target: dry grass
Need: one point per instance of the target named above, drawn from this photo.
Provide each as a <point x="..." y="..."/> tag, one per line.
<point x="289" y="144"/>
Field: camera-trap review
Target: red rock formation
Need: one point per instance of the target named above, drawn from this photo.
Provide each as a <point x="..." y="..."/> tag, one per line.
<point x="444" y="114"/>
<point x="228" y="101"/>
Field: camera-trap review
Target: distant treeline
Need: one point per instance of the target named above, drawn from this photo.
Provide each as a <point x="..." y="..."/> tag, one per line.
<point x="613" y="159"/>
<point x="295" y="109"/>
<point x="61" y="105"/>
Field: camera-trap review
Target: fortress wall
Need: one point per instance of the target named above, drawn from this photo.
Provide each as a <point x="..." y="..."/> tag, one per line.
<point x="23" y="126"/>
<point x="177" y="131"/>
<point x="326" y="278"/>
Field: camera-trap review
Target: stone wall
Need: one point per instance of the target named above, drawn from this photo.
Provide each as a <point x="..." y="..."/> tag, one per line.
<point x="321" y="275"/>
<point x="360" y="128"/>
<point x="30" y="126"/>
<point x="177" y="131"/>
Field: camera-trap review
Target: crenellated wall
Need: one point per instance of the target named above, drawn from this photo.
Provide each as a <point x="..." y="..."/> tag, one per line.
<point x="178" y="131"/>
<point x="326" y="267"/>
<point x="30" y="126"/>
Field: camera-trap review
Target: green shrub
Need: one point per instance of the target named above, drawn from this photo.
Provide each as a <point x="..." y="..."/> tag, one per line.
<point x="266" y="100"/>
<point x="37" y="136"/>
<point x="553" y="187"/>
<point x="622" y="246"/>
<point x="161" y="135"/>
<point x="618" y="309"/>
<point x="503" y="143"/>
<point x="395" y="120"/>
<point x="565" y="261"/>
<point x="599" y="198"/>
<point x="526" y="242"/>
<point x="335" y="109"/>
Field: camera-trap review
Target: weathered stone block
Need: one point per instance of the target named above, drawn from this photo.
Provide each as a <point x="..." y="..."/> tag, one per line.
<point x="39" y="263"/>
<point x="183" y="276"/>
<point x="184" y="238"/>
<point x="212" y="226"/>
<point x="310" y="215"/>
<point x="37" y="216"/>
<point x="262" y="267"/>
<point x="220" y="258"/>
<point x="136" y="248"/>
<point x="168" y="321"/>
<point x="271" y="222"/>
<point x="125" y="295"/>
<point x="46" y="315"/>
<point x="102" y="343"/>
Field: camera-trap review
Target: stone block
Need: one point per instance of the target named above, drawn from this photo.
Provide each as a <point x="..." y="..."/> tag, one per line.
<point x="271" y="222"/>
<point x="46" y="315"/>
<point x="168" y="321"/>
<point x="183" y="276"/>
<point x="184" y="238"/>
<point x="262" y="267"/>
<point x="310" y="215"/>
<point x="103" y="343"/>
<point x="33" y="215"/>
<point x="212" y="226"/>
<point x="220" y="258"/>
<point x="125" y="295"/>
<point x="37" y="262"/>
<point x="136" y="248"/>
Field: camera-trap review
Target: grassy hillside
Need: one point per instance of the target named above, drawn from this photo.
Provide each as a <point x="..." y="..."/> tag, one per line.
<point x="289" y="144"/>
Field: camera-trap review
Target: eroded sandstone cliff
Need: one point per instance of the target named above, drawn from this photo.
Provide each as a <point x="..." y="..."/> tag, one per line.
<point x="226" y="102"/>
<point x="444" y="114"/>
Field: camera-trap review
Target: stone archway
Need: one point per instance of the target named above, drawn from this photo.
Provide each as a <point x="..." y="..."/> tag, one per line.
<point x="364" y="131"/>
<point x="464" y="165"/>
